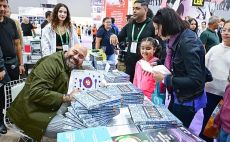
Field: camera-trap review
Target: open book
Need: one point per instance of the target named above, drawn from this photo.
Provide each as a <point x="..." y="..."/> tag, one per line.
<point x="158" y="68"/>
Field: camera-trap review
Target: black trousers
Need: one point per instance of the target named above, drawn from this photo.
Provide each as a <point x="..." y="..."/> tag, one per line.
<point x="14" y="75"/>
<point x="130" y="70"/>
<point x="184" y="113"/>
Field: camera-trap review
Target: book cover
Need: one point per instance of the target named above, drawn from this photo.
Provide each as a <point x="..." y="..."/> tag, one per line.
<point x="85" y="80"/>
<point x="138" y="137"/>
<point x="95" y="99"/>
<point x="179" y="134"/>
<point x="97" y="134"/>
<point x="152" y="114"/>
<point x="158" y="68"/>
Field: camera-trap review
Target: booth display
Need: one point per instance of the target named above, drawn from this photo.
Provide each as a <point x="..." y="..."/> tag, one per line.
<point x="31" y="52"/>
<point x="119" y="111"/>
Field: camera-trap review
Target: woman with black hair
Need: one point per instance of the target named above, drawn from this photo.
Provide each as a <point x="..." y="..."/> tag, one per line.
<point x="186" y="60"/>
<point x="193" y="24"/>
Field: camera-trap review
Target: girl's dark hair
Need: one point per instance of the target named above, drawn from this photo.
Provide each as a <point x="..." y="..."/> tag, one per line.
<point x="171" y="22"/>
<point x="55" y="20"/>
<point x="104" y="19"/>
<point x="155" y="43"/>
<point x="190" y="21"/>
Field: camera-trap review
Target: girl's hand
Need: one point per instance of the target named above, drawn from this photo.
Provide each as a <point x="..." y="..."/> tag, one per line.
<point x="158" y="76"/>
<point x="149" y="73"/>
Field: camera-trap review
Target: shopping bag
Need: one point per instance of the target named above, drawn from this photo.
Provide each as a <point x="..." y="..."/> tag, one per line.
<point x="158" y="98"/>
<point x="210" y="130"/>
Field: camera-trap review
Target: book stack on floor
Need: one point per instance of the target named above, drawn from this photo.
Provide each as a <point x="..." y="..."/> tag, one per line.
<point x="116" y="77"/>
<point x="148" y="117"/>
<point x="129" y="93"/>
<point x="93" y="108"/>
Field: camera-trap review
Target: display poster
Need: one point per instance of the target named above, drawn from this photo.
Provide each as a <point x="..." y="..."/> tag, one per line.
<point x="117" y="9"/>
<point x="199" y="9"/>
<point x="97" y="10"/>
<point x="84" y="80"/>
<point x="197" y="2"/>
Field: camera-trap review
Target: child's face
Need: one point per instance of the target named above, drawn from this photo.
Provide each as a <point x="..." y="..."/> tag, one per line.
<point x="147" y="50"/>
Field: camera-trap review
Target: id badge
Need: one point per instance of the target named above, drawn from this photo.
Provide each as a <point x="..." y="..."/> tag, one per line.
<point x="133" y="47"/>
<point x="65" y="47"/>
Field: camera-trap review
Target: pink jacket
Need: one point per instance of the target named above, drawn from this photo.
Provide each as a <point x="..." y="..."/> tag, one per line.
<point x="222" y="119"/>
<point x="144" y="82"/>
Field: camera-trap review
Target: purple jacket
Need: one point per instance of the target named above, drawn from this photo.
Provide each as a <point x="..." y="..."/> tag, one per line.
<point x="222" y="119"/>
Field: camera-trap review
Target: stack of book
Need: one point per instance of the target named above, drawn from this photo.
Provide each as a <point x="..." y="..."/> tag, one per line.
<point x="179" y="134"/>
<point x="93" y="108"/>
<point x="128" y="92"/>
<point x="87" y="65"/>
<point x="96" y="56"/>
<point x="116" y="77"/>
<point x="101" y="65"/>
<point x="148" y="117"/>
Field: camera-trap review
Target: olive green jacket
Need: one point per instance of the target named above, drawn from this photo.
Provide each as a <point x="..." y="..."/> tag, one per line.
<point x="41" y="96"/>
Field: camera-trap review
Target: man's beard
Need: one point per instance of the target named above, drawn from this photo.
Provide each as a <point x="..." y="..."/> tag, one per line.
<point x="70" y="64"/>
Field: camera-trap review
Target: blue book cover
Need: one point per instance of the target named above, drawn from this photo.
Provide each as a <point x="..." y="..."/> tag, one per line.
<point x="97" y="134"/>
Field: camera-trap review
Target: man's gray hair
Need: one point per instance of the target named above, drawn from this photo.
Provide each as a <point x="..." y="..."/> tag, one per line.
<point x="213" y="19"/>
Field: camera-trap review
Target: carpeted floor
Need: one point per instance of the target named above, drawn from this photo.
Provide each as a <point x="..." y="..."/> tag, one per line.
<point x="10" y="137"/>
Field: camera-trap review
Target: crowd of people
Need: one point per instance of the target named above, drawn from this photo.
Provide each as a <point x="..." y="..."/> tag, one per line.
<point x="189" y="51"/>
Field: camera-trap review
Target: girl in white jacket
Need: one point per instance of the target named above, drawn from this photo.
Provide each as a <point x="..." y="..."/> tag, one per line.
<point x="60" y="34"/>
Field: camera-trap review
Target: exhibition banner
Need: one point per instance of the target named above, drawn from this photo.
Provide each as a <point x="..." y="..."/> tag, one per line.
<point x="197" y="2"/>
<point x="98" y="10"/>
<point x="117" y="9"/>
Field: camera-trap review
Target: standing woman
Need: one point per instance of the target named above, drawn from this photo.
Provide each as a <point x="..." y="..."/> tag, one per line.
<point x="193" y="25"/>
<point x="103" y="38"/>
<point x="186" y="60"/>
<point x="217" y="60"/>
<point x="60" y="34"/>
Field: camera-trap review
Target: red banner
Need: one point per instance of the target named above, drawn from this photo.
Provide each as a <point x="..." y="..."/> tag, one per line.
<point x="117" y="9"/>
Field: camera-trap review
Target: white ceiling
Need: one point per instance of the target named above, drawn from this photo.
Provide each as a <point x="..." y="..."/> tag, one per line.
<point x="78" y="8"/>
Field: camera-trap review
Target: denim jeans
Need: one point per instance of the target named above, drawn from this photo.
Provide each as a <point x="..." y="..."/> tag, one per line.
<point x="111" y="57"/>
<point x="223" y="136"/>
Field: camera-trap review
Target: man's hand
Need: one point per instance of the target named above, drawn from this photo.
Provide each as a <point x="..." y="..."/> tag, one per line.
<point x="70" y="97"/>
<point x="21" y="69"/>
<point x="2" y="74"/>
<point x="114" y="40"/>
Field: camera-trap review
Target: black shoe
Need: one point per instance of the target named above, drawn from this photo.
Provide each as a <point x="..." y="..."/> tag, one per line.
<point x="3" y="129"/>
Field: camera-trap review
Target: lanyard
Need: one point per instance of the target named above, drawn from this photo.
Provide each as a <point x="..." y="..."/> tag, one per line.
<point x="67" y="37"/>
<point x="138" y="33"/>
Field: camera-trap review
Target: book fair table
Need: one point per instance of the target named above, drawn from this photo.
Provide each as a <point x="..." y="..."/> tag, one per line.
<point x="122" y="128"/>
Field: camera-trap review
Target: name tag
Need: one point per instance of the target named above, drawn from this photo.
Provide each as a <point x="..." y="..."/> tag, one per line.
<point x="65" y="47"/>
<point x="133" y="47"/>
